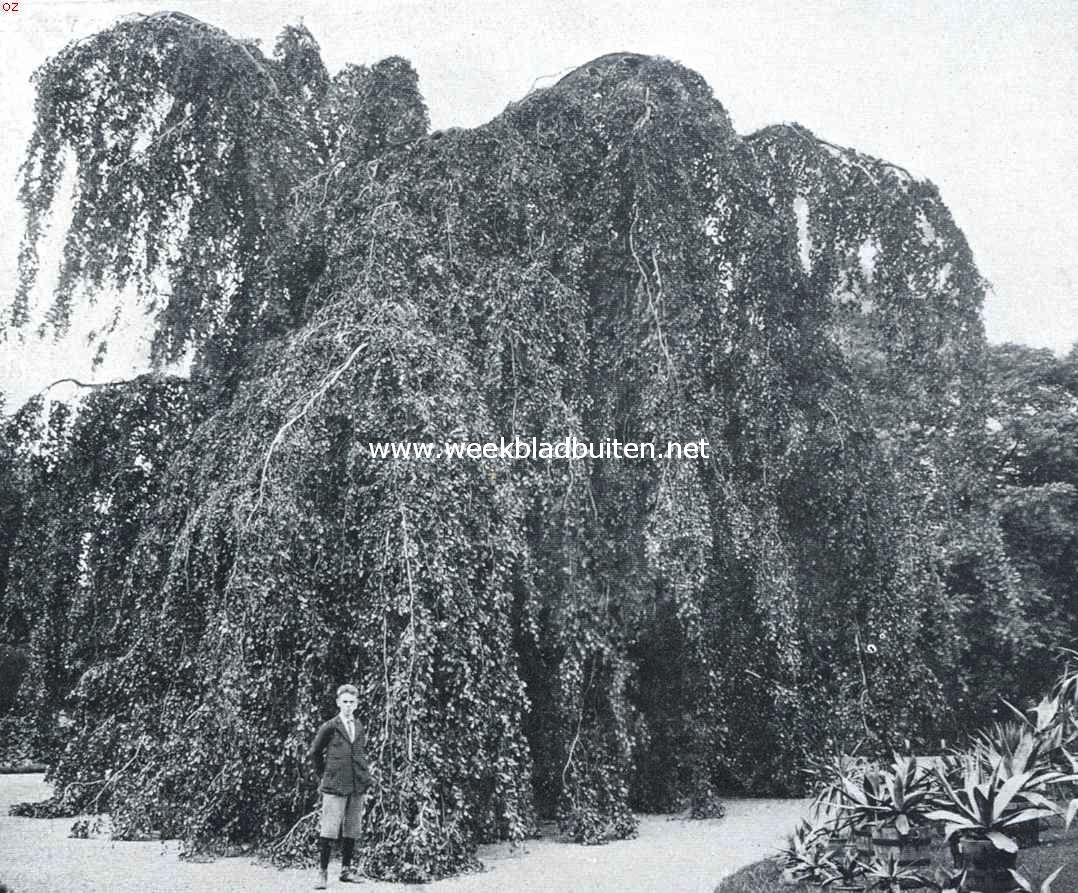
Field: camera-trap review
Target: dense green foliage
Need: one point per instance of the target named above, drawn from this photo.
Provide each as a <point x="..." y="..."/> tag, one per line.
<point x="194" y="564"/>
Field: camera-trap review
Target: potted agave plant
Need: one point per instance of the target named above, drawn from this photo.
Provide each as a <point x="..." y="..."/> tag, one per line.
<point x="1039" y="739"/>
<point x="830" y="776"/>
<point x="902" y="826"/>
<point x="894" y="803"/>
<point x="983" y="814"/>
<point x="844" y="872"/>
<point x="805" y="857"/>
<point x="887" y="874"/>
<point x="861" y="794"/>
<point x="955" y="883"/>
<point x="1016" y="749"/>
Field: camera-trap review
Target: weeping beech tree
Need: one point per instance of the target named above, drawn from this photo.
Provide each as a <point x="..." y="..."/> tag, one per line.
<point x="606" y="258"/>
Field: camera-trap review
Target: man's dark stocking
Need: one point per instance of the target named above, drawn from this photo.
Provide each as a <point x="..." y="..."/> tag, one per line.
<point x="324" y="843"/>
<point x="348" y="847"/>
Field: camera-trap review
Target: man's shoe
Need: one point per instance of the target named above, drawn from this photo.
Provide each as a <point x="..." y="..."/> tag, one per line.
<point x="350" y="876"/>
<point x="320" y="884"/>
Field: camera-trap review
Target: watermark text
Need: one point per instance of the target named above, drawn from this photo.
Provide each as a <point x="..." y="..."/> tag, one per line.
<point x="567" y="448"/>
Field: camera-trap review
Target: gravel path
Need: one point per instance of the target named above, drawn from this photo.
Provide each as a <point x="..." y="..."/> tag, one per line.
<point x="668" y="856"/>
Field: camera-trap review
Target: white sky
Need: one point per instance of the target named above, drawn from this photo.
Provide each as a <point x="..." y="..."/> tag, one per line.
<point x="980" y="97"/>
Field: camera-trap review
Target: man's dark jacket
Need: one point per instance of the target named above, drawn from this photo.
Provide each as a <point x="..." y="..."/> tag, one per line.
<point x="342" y="764"/>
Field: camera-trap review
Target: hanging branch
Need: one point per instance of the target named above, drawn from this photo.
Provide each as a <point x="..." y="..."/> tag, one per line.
<point x="318" y="393"/>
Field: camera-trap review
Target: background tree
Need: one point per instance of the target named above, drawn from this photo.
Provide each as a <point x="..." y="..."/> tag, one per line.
<point x="1033" y="461"/>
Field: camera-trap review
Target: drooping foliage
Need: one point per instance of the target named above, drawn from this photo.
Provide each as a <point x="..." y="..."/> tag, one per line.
<point x="605" y="259"/>
<point x="86" y="483"/>
<point x="915" y="563"/>
<point x="255" y="591"/>
<point x="187" y="145"/>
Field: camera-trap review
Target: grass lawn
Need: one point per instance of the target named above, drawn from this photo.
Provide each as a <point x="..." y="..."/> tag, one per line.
<point x="1036" y="863"/>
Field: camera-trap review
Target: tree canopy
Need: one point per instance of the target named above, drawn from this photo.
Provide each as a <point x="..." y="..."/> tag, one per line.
<point x="195" y="563"/>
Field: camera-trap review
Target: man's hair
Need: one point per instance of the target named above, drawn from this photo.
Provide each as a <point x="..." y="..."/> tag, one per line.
<point x="347" y="689"/>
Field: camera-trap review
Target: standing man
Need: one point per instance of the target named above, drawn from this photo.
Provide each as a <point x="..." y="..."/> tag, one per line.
<point x="337" y="755"/>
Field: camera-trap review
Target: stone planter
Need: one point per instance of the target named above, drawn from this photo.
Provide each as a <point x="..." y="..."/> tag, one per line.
<point x="987" y="868"/>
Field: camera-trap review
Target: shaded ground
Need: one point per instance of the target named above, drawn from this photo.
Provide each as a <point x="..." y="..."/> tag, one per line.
<point x="668" y="856"/>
